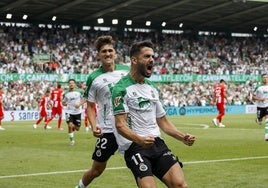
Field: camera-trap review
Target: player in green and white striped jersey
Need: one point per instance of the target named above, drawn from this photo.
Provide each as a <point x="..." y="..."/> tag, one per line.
<point x="260" y="97"/>
<point x="73" y="100"/>
<point x="99" y="85"/>
<point x="139" y="116"/>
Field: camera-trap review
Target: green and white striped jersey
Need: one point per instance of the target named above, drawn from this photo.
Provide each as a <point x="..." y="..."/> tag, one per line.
<point x="99" y="85"/>
<point x="143" y="105"/>
<point x="261" y="91"/>
<point x="73" y="98"/>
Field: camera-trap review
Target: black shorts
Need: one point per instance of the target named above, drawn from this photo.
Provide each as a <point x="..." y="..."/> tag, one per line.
<point x="156" y="160"/>
<point x="261" y="112"/>
<point x="73" y="118"/>
<point x="105" y="147"/>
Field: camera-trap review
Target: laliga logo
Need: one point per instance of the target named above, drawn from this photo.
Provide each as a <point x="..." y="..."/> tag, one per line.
<point x="12" y="116"/>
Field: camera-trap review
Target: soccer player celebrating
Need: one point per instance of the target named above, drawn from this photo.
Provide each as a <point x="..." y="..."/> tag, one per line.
<point x="139" y="116"/>
<point x="98" y="92"/>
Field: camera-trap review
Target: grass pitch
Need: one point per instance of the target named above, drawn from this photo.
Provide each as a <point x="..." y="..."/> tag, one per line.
<point x="231" y="157"/>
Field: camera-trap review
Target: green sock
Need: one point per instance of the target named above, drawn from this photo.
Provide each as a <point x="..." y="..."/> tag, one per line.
<point x="71" y="136"/>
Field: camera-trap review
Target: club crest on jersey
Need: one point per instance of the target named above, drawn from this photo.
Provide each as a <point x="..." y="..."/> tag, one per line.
<point x="117" y="101"/>
<point x="143" y="167"/>
<point x="143" y="103"/>
<point x="98" y="152"/>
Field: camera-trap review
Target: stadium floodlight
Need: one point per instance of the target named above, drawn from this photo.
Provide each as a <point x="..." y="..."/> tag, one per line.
<point x="129" y="22"/>
<point x="181" y="24"/>
<point x="41" y="25"/>
<point x="164" y="24"/>
<point x="24" y="17"/>
<point x="100" y="20"/>
<point x="255" y="28"/>
<point x="54" y="18"/>
<point x="148" y="23"/>
<point x="115" y="21"/>
<point x="9" y="16"/>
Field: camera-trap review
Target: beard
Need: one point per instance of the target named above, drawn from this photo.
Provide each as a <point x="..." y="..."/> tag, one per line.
<point x="144" y="71"/>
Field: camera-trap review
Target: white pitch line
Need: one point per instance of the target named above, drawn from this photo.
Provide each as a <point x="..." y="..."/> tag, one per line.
<point x="57" y="172"/>
<point x="118" y="168"/>
<point x="227" y="160"/>
<point x="205" y="126"/>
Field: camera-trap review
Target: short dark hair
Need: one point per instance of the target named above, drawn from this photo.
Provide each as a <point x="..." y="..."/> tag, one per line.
<point x="222" y="81"/>
<point x="137" y="46"/>
<point x="71" y="79"/>
<point x="103" y="40"/>
<point x="264" y="74"/>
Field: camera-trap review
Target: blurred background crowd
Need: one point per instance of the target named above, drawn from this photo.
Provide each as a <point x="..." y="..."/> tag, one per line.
<point x="72" y="52"/>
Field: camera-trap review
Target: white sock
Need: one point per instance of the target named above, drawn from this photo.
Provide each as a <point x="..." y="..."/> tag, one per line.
<point x="266" y="128"/>
<point x="81" y="184"/>
<point x="71" y="136"/>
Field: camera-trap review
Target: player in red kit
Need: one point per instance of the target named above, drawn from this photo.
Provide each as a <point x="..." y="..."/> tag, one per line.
<point x="43" y="104"/>
<point x="86" y="120"/>
<point x="1" y="109"/>
<point x="219" y="96"/>
<point x="56" y="98"/>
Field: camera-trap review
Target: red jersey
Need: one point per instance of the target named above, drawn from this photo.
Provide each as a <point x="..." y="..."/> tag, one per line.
<point x="43" y="105"/>
<point x="1" y="104"/>
<point x="56" y="97"/>
<point x="219" y="91"/>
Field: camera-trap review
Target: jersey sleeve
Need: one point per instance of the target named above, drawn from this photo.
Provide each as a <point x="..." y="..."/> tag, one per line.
<point x="64" y="99"/>
<point x="90" y="92"/>
<point x="119" y="100"/>
<point x="160" y="110"/>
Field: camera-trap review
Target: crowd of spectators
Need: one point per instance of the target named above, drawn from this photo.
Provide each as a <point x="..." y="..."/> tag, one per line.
<point x="71" y="51"/>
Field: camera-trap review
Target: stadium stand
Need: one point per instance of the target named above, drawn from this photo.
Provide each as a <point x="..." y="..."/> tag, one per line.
<point x="72" y="52"/>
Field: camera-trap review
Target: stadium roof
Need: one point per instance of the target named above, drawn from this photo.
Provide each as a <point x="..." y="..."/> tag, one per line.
<point x="205" y="15"/>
